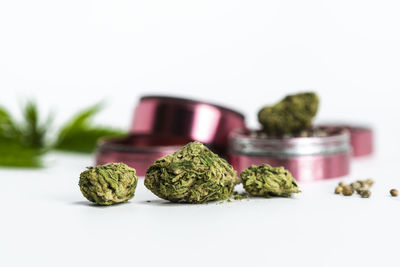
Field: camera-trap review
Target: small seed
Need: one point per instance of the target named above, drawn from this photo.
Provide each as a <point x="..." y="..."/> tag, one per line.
<point x="356" y="185"/>
<point x="394" y="192"/>
<point x="338" y="190"/>
<point x="363" y="184"/>
<point x="369" y="182"/>
<point x="347" y="190"/>
<point x="362" y="188"/>
<point x="342" y="184"/>
<point x="365" y="193"/>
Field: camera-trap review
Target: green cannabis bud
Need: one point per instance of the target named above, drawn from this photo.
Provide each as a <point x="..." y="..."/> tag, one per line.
<point x="108" y="184"/>
<point x="193" y="174"/>
<point x="267" y="181"/>
<point x="291" y="115"/>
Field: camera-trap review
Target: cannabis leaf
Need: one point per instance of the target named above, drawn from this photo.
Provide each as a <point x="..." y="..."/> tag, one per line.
<point x="80" y="135"/>
<point x="6" y="123"/>
<point x="22" y="143"/>
<point x="33" y="132"/>
<point x="15" y="154"/>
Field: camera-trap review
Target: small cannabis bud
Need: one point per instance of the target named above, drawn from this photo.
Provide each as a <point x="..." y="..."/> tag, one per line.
<point x="291" y="115"/>
<point x="108" y="184"/>
<point x="193" y="174"/>
<point x="267" y="181"/>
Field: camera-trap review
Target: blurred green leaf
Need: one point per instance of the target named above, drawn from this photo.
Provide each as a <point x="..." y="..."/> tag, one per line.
<point x="22" y="144"/>
<point x="80" y="135"/>
<point x="33" y="132"/>
<point x="7" y="126"/>
<point x="14" y="154"/>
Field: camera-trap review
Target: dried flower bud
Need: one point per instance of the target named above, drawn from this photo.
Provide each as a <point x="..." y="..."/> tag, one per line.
<point x="365" y="193"/>
<point x="267" y="181"/>
<point x="394" y="192"/>
<point x="291" y="115"/>
<point x="347" y="191"/>
<point x="193" y="174"/>
<point x="338" y="190"/>
<point x="108" y="184"/>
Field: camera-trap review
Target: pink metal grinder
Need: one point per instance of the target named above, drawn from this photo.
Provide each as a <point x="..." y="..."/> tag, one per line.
<point x="162" y="125"/>
<point x="307" y="158"/>
<point x="179" y="117"/>
<point x="361" y="138"/>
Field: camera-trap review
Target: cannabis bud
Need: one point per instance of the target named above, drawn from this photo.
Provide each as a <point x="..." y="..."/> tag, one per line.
<point x="291" y="115"/>
<point x="108" y="184"/>
<point x="267" y="181"/>
<point x="193" y="174"/>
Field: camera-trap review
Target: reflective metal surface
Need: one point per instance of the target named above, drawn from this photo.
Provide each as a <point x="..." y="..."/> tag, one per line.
<point x="307" y="158"/>
<point x="178" y="117"/>
<point x="361" y="138"/>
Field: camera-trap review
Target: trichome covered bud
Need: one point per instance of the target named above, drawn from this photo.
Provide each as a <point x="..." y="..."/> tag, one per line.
<point x="108" y="184"/>
<point x="193" y="174"/>
<point x="267" y="181"/>
<point x="291" y="115"/>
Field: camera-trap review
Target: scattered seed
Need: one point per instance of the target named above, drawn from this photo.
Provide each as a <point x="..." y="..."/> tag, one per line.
<point x="338" y="190"/>
<point x="394" y="192"/>
<point x="369" y="182"/>
<point x="362" y="188"/>
<point x="347" y="190"/>
<point x="365" y="193"/>
<point x="362" y="183"/>
<point x="356" y="185"/>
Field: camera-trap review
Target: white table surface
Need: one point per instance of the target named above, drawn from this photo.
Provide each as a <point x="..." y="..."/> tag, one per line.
<point x="45" y="221"/>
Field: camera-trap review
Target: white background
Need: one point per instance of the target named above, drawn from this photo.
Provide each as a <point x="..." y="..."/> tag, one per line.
<point x="243" y="54"/>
